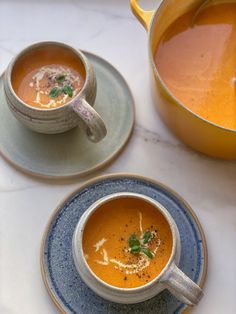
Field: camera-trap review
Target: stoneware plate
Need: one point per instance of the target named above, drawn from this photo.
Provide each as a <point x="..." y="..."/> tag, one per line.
<point x="71" y="154"/>
<point x="62" y="281"/>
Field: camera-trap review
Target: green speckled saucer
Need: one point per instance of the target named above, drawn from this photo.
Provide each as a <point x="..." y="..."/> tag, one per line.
<point x="71" y="154"/>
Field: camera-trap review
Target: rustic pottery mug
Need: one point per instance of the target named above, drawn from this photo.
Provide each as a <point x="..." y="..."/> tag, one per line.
<point x="171" y="277"/>
<point x="78" y="111"/>
<point x="195" y="131"/>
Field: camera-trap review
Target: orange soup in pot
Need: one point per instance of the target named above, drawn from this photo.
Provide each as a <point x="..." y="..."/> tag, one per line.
<point x="127" y="242"/>
<point x="48" y="77"/>
<point x="196" y="60"/>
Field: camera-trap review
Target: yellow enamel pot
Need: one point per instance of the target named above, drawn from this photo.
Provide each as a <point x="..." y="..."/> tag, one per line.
<point x="193" y="130"/>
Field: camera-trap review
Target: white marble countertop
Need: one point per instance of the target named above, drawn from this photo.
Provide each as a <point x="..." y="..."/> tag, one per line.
<point x="108" y="29"/>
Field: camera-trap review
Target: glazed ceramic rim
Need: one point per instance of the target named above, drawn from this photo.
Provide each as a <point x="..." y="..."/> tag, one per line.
<point x="167" y="90"/>
<point x="53" y="296"/>
<point x="39" y="45"/>
<point x="114" y="196"/>
<point x="105" y="162"/>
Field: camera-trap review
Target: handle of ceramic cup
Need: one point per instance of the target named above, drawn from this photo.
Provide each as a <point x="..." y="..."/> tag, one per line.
<point x="182" y="286"/>
<point x="143" y="16"/>
<point x="92" y="122"/>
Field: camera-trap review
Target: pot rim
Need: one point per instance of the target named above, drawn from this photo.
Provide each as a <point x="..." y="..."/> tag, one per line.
<point x="151" y="57"/>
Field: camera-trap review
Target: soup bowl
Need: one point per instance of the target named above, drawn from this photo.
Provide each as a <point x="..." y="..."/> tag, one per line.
<point x="78" y="111"/>
<point x="170" y="277"/>
<point x="198" y="133"/>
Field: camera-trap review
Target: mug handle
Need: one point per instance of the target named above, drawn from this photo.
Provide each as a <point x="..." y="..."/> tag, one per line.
<point x="143" y="16"/>
<point x="182" y="287"/>
<point x="93" y="124"/>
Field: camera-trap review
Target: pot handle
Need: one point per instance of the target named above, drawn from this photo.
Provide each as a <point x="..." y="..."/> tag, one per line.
<point x="143" y="16"/>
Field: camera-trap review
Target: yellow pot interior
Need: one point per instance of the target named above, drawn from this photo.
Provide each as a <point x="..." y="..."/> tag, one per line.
<point x="193" y="130"/>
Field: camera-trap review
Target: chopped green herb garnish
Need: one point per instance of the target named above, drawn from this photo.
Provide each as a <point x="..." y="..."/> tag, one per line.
<point x="67" y="90"/>
<point x="60" y="78"/>
<point x="135" y="249"/>
<point x="136" y="246"/>
<point x="147" y="252"/>
<point x="147" y="237"/>
<point x="55" y="92"/>
<point x="133" y="241"/>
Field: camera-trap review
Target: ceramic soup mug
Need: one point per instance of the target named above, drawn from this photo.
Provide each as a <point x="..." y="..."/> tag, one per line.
<point x="158" y="243"/>
<point x="51" y="87"/>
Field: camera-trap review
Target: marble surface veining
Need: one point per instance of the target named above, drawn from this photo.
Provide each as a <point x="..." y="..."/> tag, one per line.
<point x="108" y="29"/>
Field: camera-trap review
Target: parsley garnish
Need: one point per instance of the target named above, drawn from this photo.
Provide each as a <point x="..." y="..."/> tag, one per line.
<point x="136" y="247"/>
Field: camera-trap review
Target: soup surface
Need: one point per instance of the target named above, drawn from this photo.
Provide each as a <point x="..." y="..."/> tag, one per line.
<point x="197" y="62"/>
<point x="127" y="242"/>
<point x="48" y="78"/>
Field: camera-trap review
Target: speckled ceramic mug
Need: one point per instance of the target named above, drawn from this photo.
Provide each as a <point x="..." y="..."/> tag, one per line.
<point x="78" y="111"/>
<point x="171" y="277"/>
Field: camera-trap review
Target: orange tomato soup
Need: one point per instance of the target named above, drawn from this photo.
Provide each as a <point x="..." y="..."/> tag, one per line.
<point x="127" y="242"/>
<point x="197" y="62"/>
<point x="48" y="77"/>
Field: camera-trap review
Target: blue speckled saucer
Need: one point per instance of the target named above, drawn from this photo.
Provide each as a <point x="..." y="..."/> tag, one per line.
<point x="62" y="281"/>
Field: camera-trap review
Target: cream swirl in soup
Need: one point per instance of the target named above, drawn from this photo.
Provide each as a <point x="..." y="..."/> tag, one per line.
<point x="50" y="86"/>
<point x="48" y="77"/>
<point x="127" y="242"/>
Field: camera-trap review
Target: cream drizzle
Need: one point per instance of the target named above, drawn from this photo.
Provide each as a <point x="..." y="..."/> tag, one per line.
<point x="140" y="223"/>
<point x="99" y="244"/>
<point x="105" y="258"/>
<point x="52" y="71"/>
<point x="143" y="261"/>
